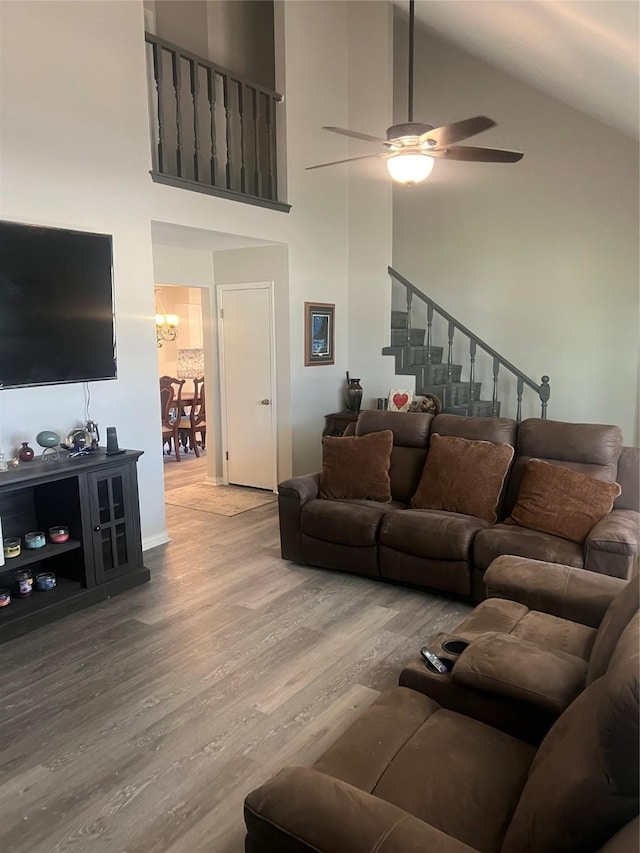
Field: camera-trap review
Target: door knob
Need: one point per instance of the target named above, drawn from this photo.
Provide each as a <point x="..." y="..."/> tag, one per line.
<point x="265" y="402"/>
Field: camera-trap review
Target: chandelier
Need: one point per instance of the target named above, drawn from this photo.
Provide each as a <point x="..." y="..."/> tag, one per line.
<point x="166" y="324"/>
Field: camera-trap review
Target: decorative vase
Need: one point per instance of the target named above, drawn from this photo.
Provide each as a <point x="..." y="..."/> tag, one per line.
<point x="354" y="394"/>
<point x="26" y="453"/>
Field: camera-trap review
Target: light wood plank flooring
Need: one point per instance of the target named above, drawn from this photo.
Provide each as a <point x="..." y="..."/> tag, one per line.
<point x="140" y="724"/>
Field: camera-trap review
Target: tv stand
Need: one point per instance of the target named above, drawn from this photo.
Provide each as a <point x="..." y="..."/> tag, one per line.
<point x="96" y="497"/>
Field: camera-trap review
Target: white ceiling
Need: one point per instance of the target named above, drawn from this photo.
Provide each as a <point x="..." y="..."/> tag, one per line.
<point x="179" y="236"/>
<point x="583" y="52"/>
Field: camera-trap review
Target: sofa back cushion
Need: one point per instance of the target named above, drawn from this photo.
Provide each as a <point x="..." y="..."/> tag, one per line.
<point x="356" y="468"/>
<point x="619" y="613"/>
<point x="629" y="478"/>
<point x="497" y="430"/>
<point x="592" y="449"/>
<point x="583" y="783"/>
<point x="464" y="476"/>
<point x="410" y="442"/>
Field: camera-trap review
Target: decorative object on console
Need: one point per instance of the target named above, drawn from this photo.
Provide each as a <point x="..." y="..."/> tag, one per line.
<point x="91" y="428"/>
<point x="3" y="463"/>
<point x="11" y="548"/>
<point x="1" y="549"/>
<point x="166" y="324"/>
<point x="78" y="442"/>
<point x="464" y="476"/>
<point x="50" y="440"/>
<point x="428" y="403"/>
<point x="26" y="453"/>
<point x="60" y="533"/>
<point x="24" y="582"/>
<point x="319" y="337"/>
<point x="14" y="462"/>
<point x="399" y="400"/>
<point x="5" y="597"/>
<point x="112" y="442"/>
<point x="45" y="581"/>
<point x="35" y="539"/>
<point x="357" y="467"/>
<point x="354" y="394"/>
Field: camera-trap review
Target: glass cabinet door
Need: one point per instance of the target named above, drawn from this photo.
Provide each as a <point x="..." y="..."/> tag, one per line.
<point x="113" y="523"/>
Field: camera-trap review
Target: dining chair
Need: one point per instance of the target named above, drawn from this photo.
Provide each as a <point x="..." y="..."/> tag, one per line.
<point x="195" y="421"/>
<point x="171" y="408"/>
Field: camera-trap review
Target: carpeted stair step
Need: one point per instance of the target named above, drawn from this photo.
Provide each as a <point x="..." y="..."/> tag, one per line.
<point x="398" y="319"/>
<point x="478" y="408"/>
<point x="399" y="337"/>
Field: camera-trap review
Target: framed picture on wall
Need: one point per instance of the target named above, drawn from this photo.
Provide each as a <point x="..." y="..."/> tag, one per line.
<point x="319" y="337"/>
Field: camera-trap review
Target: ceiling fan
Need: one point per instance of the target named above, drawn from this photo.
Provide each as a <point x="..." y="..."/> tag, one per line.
<point x="412" y="147"/>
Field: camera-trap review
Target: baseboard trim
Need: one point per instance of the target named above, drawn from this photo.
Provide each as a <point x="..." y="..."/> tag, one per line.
<point x="214" y="481"/>
<point x="153" y="541"/>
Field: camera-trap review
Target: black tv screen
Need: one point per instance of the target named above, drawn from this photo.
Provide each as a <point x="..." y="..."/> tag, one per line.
<point x="56" y="306"/>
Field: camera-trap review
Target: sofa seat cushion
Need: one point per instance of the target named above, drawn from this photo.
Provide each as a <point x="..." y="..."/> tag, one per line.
<point x="450" y="771"/>
<point x="522" y="542"/>
<point x="434" y="534"/>
<point x="493" y="614"/>
<point x="353" y="523"/>
<point x="551" y="632"/>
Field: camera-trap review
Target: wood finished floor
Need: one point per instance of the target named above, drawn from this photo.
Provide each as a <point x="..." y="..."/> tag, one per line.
<point x="139" y="724"/>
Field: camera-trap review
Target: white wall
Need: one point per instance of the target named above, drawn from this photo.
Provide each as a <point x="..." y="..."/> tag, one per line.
<point x="539" y="258"/>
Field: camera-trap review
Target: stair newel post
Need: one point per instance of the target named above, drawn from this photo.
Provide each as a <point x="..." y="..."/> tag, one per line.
<point x="494" y="399"/>
<point x="544" y="393"/>
<point x="429" y="325"/>
<point x="195" y="93"/>
<point x="520" y="388"/>
<point x="409" y="301"/>
<point x="211" y="94"/>
<point x="452" y="329"/>
<point x="177" y="85"/>
<point x="472" y="370"/>
<point x="157" y="73"/>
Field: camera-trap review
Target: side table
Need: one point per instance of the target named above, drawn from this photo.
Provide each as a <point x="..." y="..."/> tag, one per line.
<point x="337" y="422"/>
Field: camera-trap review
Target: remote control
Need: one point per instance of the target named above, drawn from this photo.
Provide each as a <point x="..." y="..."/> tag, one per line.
<point x="432" y="660"/>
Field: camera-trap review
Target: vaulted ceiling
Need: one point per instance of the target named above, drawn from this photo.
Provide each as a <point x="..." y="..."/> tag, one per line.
<point x="583" y="52"/>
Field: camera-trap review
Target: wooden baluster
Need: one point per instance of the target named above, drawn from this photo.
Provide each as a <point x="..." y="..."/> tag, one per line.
<point x="195" y="91"/>
<point x="157" y="74"/>
<point x="429" y="325"/>
<point x="243" y="165"/>
<point x="409" y="301"/>
<point x="520" y="388"/>
<point x="545" y="393"/>
<point x="271" y="143"/>
<point x="227" y="118"/>
<point x="450" y="354"/>
<point x="257" y="177"/>
<point x="472" y="371"/>
<point x="177" y="85"/>
<point x="211" y="94"/>
<point x="494" y="401"/>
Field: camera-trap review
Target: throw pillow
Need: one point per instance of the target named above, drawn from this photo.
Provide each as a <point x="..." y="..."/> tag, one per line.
<point x="554" y="499"/>
<point x="357" y="467"/>
<point x="463" y="475"/>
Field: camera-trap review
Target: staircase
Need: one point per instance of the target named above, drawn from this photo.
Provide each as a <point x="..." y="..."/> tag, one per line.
<point x="416" y="355"/>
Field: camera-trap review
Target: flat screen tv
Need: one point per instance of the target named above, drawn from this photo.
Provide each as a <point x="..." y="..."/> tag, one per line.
<point x="56" y="306"/>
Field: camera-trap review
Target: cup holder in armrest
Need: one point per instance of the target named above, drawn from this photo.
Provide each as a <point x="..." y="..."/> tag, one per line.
<point x="454" y="647"/>
<point x="446" y="661"/>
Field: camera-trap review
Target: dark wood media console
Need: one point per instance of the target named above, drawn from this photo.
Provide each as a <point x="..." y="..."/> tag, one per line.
<point x="96" y="497"/>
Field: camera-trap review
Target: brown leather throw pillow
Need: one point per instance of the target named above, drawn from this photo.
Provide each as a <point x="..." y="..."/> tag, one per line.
<point x="357" y="467"/>
<point x="463" y="475"/>
<point x="554" y="499"/>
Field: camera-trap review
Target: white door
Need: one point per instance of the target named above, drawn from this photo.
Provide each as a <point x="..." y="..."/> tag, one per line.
<point x="247" y="384"/>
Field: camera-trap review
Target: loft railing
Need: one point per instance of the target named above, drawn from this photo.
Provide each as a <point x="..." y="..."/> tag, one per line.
<point x="543" y="390"/>
<point x="213" y="131"/>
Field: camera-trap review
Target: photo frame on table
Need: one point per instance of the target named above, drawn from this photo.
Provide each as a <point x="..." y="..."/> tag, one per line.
<point x="319" y="333"/>
<point x="399" y="399"/>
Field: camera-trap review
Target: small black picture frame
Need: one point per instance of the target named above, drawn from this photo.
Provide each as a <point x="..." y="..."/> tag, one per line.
<point x="319" y="333"/>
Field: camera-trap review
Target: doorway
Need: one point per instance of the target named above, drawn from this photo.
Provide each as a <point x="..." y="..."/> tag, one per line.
<point x="247" y="383"/>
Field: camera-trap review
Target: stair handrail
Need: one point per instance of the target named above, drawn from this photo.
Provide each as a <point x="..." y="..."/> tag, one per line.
<point x="543" y="390"/>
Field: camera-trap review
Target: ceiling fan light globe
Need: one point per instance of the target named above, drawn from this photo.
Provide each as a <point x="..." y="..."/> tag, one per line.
<point x="409" y="168"/>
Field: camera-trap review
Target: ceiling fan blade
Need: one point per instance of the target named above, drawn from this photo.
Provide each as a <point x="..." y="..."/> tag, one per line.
<point x="484" y="155"/>
<point x="348" y="160"/>
<point x="450" y="133"/>
<point x="356" y="135"/>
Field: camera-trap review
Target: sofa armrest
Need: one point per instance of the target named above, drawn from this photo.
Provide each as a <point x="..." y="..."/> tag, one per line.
<point x="517" y="669"/>
<point x="292" y="496"/>
<point x="302" y="809"/>
<point x="611" y="547"/>
<point x="575" y="594"/>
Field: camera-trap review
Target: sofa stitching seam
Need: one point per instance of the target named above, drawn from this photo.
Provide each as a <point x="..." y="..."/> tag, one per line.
<point x="397" y="752"/>
<point x="386" y="835"/>
<point x="564" y="594"/>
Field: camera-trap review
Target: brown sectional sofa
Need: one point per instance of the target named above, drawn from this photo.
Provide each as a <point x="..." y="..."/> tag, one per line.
<point x="448" y="551"/>
<point x="411" y="776"/>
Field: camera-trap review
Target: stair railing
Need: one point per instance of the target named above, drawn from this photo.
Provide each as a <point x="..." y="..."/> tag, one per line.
<point x="543" y="390"/>
<point x="213" y="131"/>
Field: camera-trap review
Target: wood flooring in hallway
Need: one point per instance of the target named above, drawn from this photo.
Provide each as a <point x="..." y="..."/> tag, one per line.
<point x="139" y="725"/>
